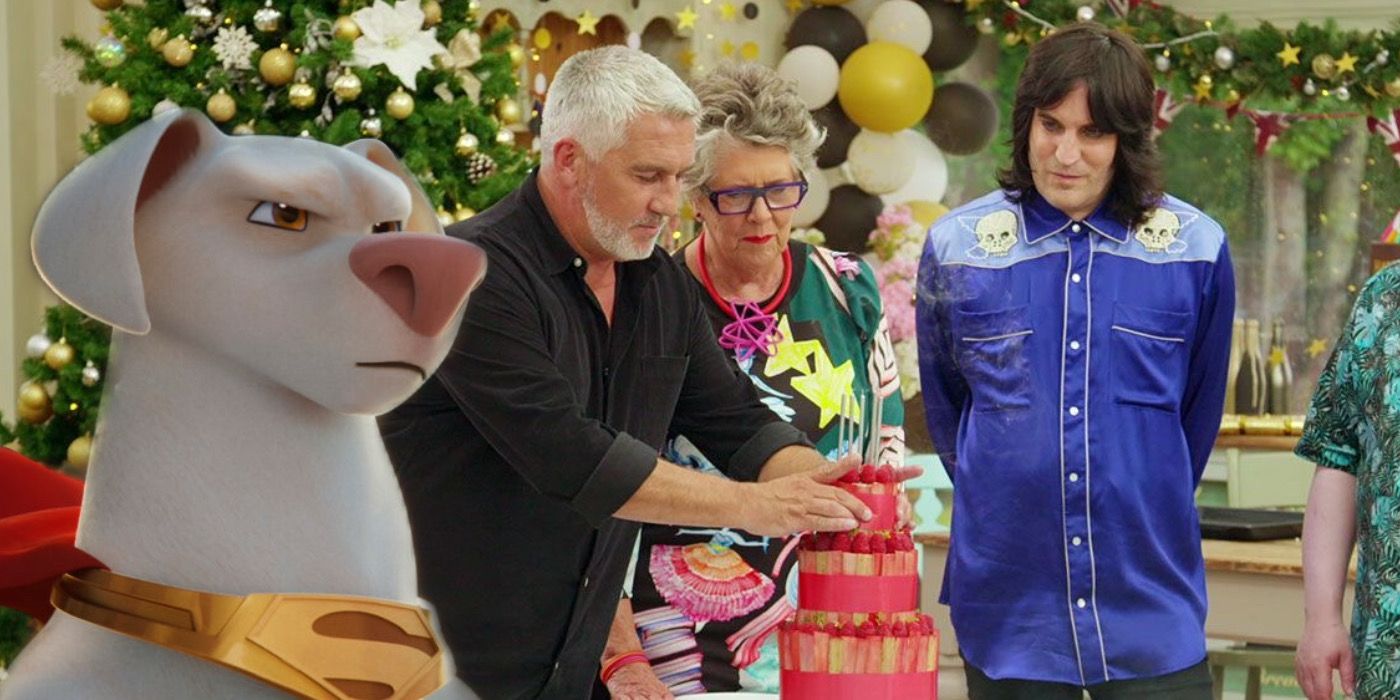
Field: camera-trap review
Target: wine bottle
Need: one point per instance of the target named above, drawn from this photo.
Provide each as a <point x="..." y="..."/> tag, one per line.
<point x="1251" y="387"/>
<point x="1280" y="372"/>
<point x="1236" y="356"/>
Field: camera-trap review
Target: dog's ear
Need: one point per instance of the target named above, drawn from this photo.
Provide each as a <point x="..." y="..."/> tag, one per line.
<point x="84" y="236"/>
<point x="422" y="219"/>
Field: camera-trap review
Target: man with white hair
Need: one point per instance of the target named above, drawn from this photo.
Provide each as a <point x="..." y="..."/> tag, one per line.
<point x="526" y="460"/>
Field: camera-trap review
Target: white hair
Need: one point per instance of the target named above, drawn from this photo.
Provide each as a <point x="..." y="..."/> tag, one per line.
<point x="597" y="93"/>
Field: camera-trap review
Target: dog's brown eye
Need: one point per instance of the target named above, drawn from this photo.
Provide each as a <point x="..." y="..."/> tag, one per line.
<point x="388" y="226"/>
<point x="279" y="215"/>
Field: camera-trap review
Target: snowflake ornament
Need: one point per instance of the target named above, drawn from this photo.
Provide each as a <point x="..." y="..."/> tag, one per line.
<point x="234" y="47"/>
<point x="60" y="73"/>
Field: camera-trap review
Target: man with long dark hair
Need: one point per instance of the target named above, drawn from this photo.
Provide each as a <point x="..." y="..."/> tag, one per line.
<point x="1074" y="330"/>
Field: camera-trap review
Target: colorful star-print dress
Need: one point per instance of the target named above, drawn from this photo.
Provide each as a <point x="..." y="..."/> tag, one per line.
<point x="707" y="602"/>
<point x="1353" y="425"/>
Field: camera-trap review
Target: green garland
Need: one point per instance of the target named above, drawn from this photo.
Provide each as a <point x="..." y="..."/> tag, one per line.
<point x="425" y="140"/>
<point x="1349" y="71"/>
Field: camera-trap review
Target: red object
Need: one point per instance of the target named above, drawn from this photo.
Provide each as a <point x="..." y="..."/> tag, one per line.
<point x="1388" y="128"/>
<point x="800" y="685"/>
<point x="856" y="594"/>
<point x="617" y="662"/>
<point x="38" y="523"/>
<point x="723" y="303"/>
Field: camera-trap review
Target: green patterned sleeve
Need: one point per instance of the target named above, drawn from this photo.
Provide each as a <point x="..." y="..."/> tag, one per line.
<point x="1330" y="431"/>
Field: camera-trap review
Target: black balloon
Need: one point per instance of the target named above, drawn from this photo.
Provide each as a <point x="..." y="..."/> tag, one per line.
<point x="839" y="132"/>
<point x="954" y="39"/>
<point x="832" y="28"/>
<point x="962" y="120"/>
<point x="849" y="218"/>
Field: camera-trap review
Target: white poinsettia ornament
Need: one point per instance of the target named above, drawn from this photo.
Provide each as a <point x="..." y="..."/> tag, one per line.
<point x="393" y="35"/>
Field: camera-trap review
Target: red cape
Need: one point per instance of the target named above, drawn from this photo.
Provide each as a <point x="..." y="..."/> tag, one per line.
<point x="38" y="523"/>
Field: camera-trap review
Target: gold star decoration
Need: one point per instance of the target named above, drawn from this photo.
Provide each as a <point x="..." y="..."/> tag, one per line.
<point x="685" y="19"/>
<point x="1317" y="347"/>
<point x="1202" y="88"/>
<point x="499" y="21"/>
<point x="687" y="59"/>
<point x="727" y="11"/>
<point x="794" y="6"/>
<point x="789" y="353"/>
<point x="587" y="23"/>
<point x="825" y="386"/>
<point x="1346" y="64"/>
<point x="1288" y="56"/>
<point x="749" y="51"/>
<point x="727" y="48"/>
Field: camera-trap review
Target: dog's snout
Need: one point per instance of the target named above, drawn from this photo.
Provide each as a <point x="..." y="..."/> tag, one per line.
<point x="423" y="278"/>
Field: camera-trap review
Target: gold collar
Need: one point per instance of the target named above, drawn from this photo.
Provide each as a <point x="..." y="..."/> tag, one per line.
<point x="323" y="647"/>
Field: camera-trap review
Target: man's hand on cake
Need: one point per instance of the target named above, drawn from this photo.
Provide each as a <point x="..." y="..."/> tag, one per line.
<point x="804" y="501"/>
<point x="637" y="682"/>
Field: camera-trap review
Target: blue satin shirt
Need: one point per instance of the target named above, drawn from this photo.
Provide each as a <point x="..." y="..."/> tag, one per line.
<point x="1073" y="376"/>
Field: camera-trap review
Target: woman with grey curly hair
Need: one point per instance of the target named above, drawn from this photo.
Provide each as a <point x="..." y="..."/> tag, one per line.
<point x="805" y="325"/>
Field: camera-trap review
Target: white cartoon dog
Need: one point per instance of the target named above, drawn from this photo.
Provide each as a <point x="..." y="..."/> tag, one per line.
<point x="267" y="302"/>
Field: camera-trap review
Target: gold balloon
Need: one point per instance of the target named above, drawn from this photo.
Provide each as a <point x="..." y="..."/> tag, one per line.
<point x="277" y="66"/>
<point x="301" y="95"/>
<point x="432" y="13"/>
<point x="157" y="37"/>
<point x="463" y="213"/>
<point x="106" y="5"/>
<point x="111" y="105"/>
<point x="79" y="451"/>
<point x="59" y="354"/>
<point x="220" y="107"/>
<point x="346" y="29"/>
<point x="467" y="144"/>
<point x="505" y="137"/>
<point x="1392" y="88"/>
<point x="399" y="105"/>
<point x="347" y="86"/>
<point x="178" y="51"/>
<point x="885" y="87"/>
<point x="1324" y="66"/>
<point x="517" y="55"/>
<point x="507" y="110"/>
<point x="33" y="396"/>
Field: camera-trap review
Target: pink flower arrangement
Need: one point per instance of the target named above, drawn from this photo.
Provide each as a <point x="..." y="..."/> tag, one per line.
<point x="896" y="243"/>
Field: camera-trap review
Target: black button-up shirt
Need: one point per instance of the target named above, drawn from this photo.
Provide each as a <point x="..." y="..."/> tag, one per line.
<point x="542" y="422"/>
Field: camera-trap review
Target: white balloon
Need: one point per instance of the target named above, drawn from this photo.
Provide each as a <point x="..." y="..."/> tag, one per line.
<point x="861" y="8"/>
<point x="815" y="72"/>
<point x="902" y="22"/>
<point x="930" y="179"/>
<point x="812" y="206"/>
<point x="880" y="162"/>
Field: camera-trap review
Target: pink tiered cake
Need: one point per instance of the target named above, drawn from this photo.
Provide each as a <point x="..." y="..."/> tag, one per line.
<point x="858" y="632"/>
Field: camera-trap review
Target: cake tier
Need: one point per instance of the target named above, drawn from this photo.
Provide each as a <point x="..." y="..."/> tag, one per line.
<point x="881" y="498"/>
<point x="857" y="593"/>
<point x="840" y="655"/>
<point x="797" y="685"/>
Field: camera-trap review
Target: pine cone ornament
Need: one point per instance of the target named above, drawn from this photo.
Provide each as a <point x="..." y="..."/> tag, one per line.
<point x="479" y="167"/>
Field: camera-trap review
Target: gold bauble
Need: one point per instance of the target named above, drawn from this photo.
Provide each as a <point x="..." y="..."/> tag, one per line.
<point x="33" y="396"/>
<point x="79" y="451"/>
<point x="111" y="105"/>
<point x="178" y="51"/>
<point x="507" y="110"/>
<point x="59" y="354"/>
<point x="346" y="29"/>
<point x="157" y="37"/>
<point x="301" y="95"/>
<point x="106" y="5"/>
<point x="220" y="107"/>
<point x="467" y="144"/>
<point x="432" y="13"/>
<point x="277" y="66"/>
<point x="505" y="137"/>
<point x="1324" y="66"/>
<point x="347" y="86"/>
<point x="463" y="213"/>
<point x="1392" y="88"/>
<point x="34" y="416"/>
<point x="399" y="105"/>
<point x="517" y="55"/>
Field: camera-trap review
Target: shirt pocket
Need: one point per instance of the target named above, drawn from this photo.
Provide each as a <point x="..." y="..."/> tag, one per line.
<point x="1149" y="356"/>
<point x="992" y="352"/>
<point x="661" y="381"/>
